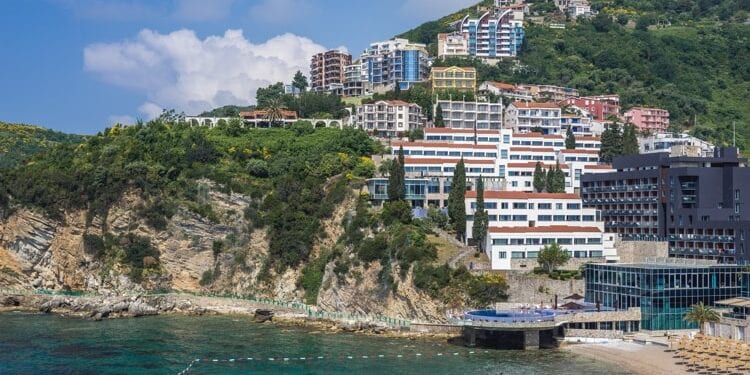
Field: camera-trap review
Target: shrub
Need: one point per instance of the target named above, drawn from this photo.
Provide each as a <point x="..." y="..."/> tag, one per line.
<point x="93" y="245"/>
<point x="217" y="246"/>
<point x="257" y="168"/>
<point x="397" y="211"/>
<point x="312" y="277"/>
<point x="488" y="289"/>
<point x="372" y="249"/>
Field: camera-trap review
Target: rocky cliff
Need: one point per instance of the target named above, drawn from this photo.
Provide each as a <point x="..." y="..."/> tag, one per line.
<point x="38" y="252"/>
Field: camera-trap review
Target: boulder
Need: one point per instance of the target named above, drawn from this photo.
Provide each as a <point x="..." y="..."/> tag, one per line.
<point x="9" y="301"/>
<point x="263" y="315"/>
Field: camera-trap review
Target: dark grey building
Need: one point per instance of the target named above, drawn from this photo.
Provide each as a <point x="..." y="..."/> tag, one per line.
<point x="697" y="204"/>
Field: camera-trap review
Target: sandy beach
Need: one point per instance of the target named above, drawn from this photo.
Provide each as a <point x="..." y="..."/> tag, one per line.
<point x="638" y="358"/>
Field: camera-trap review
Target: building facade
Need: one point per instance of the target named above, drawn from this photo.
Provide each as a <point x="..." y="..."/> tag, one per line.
<point x="527" y="117"/>
<point x="469" y="115"/>
<point x="696" y="204"/>
<point x="663" y="291"/>
<point x="494" y="34"/>
<point x="601" y="107"/>
<point x="389" y="118"/>
<point x="395" y="61"/>
<point x="454" y="78"/>
<point x="666" y="142"/>
<point x="648" y="119"/>
<point x="549" y="92"/>
<point x="327" y="71"/>
<point x="451" y="45"/>
<point x="505" y="90"/>
<point x="355" y="81"/>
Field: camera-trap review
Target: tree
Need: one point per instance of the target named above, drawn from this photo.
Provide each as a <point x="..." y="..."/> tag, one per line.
<point x="264" y="96"/>
<point x="570" y="139"/>
<point x="396" y="183"/>
<point x="611" y="143"/>
<point x="300" y="82"/>
<point x="439" y="122"/>
<point x="274" y="111"/>
<point x="700" y="313"/>
<point x="540" y="177"/>
<point x="456" y="205"/>
<point x="397" y="90"/>
<point x="629" y="140"/>
<point x="552" y="256"/>
<point x="555" y="179"/>
<point x="481" y="218"/>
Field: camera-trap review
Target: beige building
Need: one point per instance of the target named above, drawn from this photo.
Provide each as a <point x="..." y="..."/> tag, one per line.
<point x="454" y="78"/>
<point x="452" y="45"/>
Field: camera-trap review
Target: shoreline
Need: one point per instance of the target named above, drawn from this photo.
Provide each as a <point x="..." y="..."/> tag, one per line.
<point x="638" y="358"/>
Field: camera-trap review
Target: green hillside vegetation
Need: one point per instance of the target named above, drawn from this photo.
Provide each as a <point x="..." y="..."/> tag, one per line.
<point x="18" y="142"/>
<point x="226" y="111"/>
<point x="696" y="68"/>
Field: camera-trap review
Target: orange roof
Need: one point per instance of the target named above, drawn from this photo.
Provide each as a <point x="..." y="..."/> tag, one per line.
<point x="446" y="161"/>
<point x="532" y="164"/>
<point x="545" y="229"/>
<point x="579" y="151"/>
<point x="461" y="131"/>
<point x="397" y="102"/>
<point x="442" y="145"/>
<point x="493" y="194"/>
<point x="537" y="135"/>
<point x="535" y="105"/>
<point x="588" y="138"/>
<point x="533" y="149"/>
<point x="503" y="85"/>
<point x="598" y="166"/>
<point x="261" y="113"/>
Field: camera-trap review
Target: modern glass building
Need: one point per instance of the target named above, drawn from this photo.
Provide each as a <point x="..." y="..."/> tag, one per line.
<point x="663" y="291"/>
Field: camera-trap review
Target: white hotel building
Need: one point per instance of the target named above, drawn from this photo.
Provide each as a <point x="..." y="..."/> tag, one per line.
<point x="468" y="115"/>
<point x="525" y="117"/>
<point x="388" y="118"/>
<point x="520" y="224"/>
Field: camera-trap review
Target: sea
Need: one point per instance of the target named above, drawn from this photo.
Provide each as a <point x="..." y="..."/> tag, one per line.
<point x="33" y="343"/>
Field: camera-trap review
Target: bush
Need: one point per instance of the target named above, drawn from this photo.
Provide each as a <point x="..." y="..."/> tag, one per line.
<point x="93" y="245"/>
<point x="488" y="289"/>
<point x="372" y="249"/>
<point x="312" y="277"/>
<point x="136" y="249"/>
<point x="398" y="211"/>
<point x="257" y="168"/>
<point x="217" y="246"/>
<point x="208" y="277"/>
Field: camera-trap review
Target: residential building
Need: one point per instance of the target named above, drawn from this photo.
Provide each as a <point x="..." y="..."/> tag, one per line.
<point x="451" y="45"/>
<point x="601" y="107"/>
<point x="683" y="144"/>
<point x="663" y="291"/>
<point x="549" y="92"/>
<point x="327" y="71"/>
<point x="459" y="114"/>
<point x="578" y="8"/>
<point x="355" y="81"/>
<point x="580" y="125"/>
<point x="454" y="78"/>
<point x="526" y="117"/>
<point x="389" y="118"/>
<point x="291" y="90"/>
<point x="648" y="119"/>
<point x="495" y="34"/>
<point x="505" y="90"/>
<point x="697" y="204"/>
<point x="395" y="61"/>
<point x="734" y="322"/>
<point x="521" y="223"/>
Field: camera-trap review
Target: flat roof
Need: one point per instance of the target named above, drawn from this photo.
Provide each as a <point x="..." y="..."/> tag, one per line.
<point x="737" y="301"/>
<point x="658" y="265"/>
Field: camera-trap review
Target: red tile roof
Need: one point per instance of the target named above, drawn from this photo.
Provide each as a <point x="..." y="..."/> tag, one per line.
<point x="503" y="85"/>
<point x="493" y="194"/>
<point x="533" y="149"/>
<point x="545" y="229"/>
<point x="446" y="161"/>
<point x="397" y="102"/>
<point x="532" y="164"/>
<point x="535" y="105"/>
<point x="443" y="145"/>
<point x="588" y="138"/>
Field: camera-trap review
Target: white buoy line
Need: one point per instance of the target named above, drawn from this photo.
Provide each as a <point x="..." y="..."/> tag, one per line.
<point x="316" y="358"/>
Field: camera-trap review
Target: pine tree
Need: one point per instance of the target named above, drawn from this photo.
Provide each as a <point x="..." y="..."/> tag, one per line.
<point x="300" y="82"/>
<point x="439" y="117"/>
<point x="397" y="90"/>
<point x="456" y="205"/>
<point x="540" y="178"/>
<point x="629" y="140"/>
<point x="481" y="218"/>
<point x="396" y="178"/>
<point x="570" y="139"/>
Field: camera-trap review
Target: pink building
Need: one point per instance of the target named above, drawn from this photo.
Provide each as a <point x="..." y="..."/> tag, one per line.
<point x="601" y="106"/>
<point x="650" y="119"/>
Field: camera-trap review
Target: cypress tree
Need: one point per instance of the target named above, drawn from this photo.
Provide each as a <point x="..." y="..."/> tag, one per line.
<point x="456" y="205"/>
<point x="549" y="180"/>
<point x="629" y="140"/>
<point x="570" y="139"/>
<point x="559" y="179"/>
<point x="481" y="218"/>
<point x="396" y="178"/>
<point x="439" y="122"/>
<point x="540" y="177"/>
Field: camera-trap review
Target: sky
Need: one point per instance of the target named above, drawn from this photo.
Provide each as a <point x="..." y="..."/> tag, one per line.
<point x="78" y="66"/>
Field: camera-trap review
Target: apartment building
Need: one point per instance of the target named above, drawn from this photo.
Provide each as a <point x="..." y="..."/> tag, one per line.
<point x="696" y="204"/>
<point x="454" y="78"/>
<point x="601" y="107"/>
<point x="355" y="81"/>
<point x="526" y="117"/>
<point x="395" y="61"/>
<point x="469" y="115"/>
<point x="452" y="45"/>
<point x="683" y="144"/>
<point x="495" y="34"/>
<point x="578" y="8"/>
<point x="579" y="124"/>
<point x="505" y="90"/>
<point x="521" y="223"/>
<point x="548" y="92"/>
<point x="327" y="71"/>
<point x="648" y="119"/>
<point x="389" y="118"/>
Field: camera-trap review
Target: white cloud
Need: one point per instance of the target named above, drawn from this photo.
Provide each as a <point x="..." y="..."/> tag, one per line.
<point x="150" y="110"/>
<point x="431" y="9"/>
<point x="121" y="119"/>
<point x="178" y="70"/>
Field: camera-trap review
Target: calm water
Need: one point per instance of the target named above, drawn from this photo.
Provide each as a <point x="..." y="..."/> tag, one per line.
<point x="50" y="344"/>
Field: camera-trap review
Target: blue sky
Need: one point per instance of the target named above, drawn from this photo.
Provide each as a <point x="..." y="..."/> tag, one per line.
<point x="78" y="66"/>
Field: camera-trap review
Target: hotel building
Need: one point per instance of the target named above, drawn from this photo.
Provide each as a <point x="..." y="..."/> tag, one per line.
<point x="389" y="118"/>
<point x="648" y="119"/>
<point x="451" y="45"/>
<point x="548" y="92"/>
<point x="505" y="90"/>
<point x="327" y="71"/>
<point x="495" y="34"/>
<point x="454" y="78"/>
<point x="526" y="117"/>
<point x="666" y="142"/>
<point x="601" y="107"/>
<point x="469" y="115"/>
<point x="395" y="61"/>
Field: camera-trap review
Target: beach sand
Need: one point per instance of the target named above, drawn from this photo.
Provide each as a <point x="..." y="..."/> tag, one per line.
<point x="638" y="358"/>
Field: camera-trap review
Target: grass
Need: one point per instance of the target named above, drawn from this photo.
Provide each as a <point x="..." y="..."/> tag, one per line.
<point x="445" y="249"/>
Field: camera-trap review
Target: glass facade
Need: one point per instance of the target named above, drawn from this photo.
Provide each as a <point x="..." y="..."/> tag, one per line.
<point x="664" y="292"/>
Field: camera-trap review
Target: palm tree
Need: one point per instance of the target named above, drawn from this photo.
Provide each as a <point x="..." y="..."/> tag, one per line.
<point x="274" y="111"/>
<point x="700" y="313"/>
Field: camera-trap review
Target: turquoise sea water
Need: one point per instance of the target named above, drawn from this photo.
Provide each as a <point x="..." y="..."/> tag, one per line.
<point x="49" y="344"/>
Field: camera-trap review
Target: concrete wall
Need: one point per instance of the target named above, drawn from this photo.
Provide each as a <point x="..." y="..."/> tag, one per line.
<point x="573" y="334"/>
<point x="728" y="328"/>
<point x="632" y="314"/>
<point x="528" y="288"/>
<point x="528" y="265"/>
<point x="436" y="328"/>
<point x="641" y="251"/>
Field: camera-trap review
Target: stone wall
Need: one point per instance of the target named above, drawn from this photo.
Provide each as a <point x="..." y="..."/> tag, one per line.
<point x="632" y="314"/>
<point x="641" y="251"/>
<point x="528" y="265"/>
<point x="436" y="328"/>
<point x="534" y="289"/>
<point x="727" y="328"/>
<point x="573" y="334"/>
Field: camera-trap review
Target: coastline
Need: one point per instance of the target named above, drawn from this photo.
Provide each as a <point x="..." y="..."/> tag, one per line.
<point x="638" y="358"/>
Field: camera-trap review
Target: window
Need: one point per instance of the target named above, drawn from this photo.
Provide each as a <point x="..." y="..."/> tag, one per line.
<point x="503" y="218"/>
<point x="544" y="206"/>
<point x="502" y="254"/>
<point x="558" y="206"/>
<point x="533" y="241"/>
<point x="516" y="241"/>
<point x="532" y="254"/>
<point x="559" y="217"/>
<point x="490" y="205"/>
<point x="518" y="255"/>
<point x="519" y="205"/>
<point x="548" y="241"/>
<point x="544" y="218"/>
<point x="594" y="241"/>
<point x="488" y="170"/>
<point x="504" y="205"/>
<point x="501" y="170"/>
<point x="574" y="206"/>
<point x="500" y="241"/>
<point x="736" y="194"/>
<point x="736" y="208"/>
<point x="596" y="254"/>
<point x="503" y="154"/>
<point x="572" y="218"/>
<point x="506" y="138"/>
<point x="588" y="217"/>
<point x="579" y="241"/>
<point x="527" y="184"/>
<point x="531" y="206"/>
<point x="564" y="241"/>
<point x="520" y="217"/>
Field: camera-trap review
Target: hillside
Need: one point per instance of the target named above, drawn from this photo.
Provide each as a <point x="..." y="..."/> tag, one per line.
<point x="695" y="68"/>
<point x="18" y="142"/>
